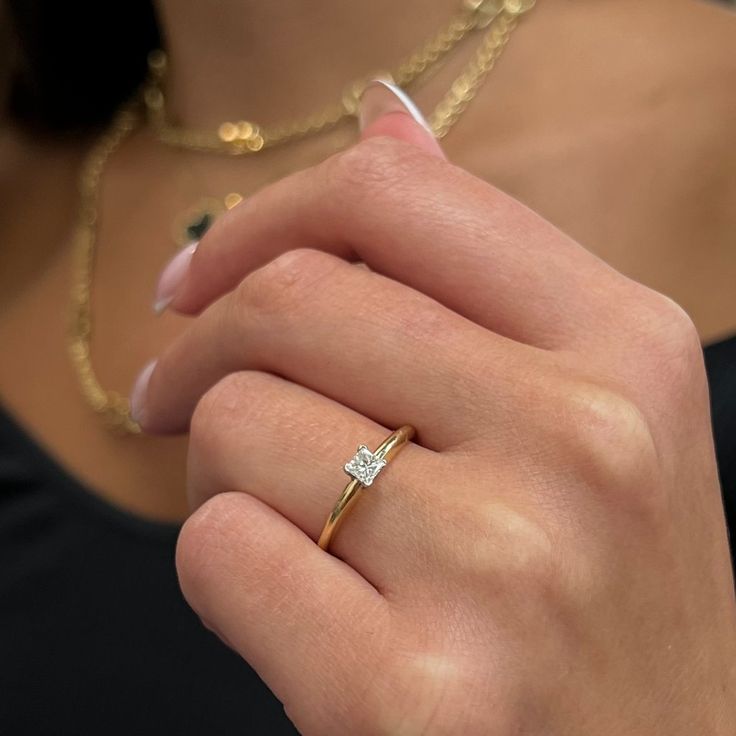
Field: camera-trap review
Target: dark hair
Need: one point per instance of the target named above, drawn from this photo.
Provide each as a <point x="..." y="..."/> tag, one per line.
<point x="72" y="64"/>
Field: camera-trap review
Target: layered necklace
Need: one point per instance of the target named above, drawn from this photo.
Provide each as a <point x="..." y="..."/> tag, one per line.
<point x="492" y="20"/>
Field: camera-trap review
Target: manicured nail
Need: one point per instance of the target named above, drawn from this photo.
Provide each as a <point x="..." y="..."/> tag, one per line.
<point x="138" y="394"/>
<point x="381" y="97"/>
<point x="172" y="275"/>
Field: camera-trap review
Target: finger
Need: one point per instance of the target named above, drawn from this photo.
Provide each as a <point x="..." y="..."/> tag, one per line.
<point x="386" y="110"/>
<point x="287" y="445"/>
<point x="310" y="626"/>
<point x="386" y="351"/>
<point x="427" y="224"/>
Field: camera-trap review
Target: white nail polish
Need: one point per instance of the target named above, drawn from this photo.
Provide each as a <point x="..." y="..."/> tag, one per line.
<point x="138" y="394"/>
<point x="403" y="102"/>
<point x="172" y="276"/>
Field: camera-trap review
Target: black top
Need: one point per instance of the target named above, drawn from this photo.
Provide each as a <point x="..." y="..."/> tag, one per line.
<point x="95" y="637"/>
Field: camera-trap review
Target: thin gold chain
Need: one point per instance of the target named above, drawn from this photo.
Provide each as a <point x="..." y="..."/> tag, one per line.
<point x="500" y="16"/>
<point x="466" y="86"/>
<point x="244" y="137"/>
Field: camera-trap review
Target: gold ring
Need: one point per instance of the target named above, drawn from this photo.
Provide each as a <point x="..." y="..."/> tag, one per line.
<point x="363" y="467"/>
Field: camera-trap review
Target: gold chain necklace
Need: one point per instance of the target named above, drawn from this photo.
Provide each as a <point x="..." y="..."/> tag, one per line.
<point x="243" y="137"/>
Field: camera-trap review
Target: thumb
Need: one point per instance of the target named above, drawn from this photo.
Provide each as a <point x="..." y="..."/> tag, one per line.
<point x="386" y="110"/>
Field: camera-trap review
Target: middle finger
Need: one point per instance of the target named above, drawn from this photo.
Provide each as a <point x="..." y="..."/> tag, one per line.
<point x="385" y="350"/>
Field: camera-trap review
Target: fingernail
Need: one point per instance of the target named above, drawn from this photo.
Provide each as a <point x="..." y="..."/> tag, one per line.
<point x="138" y="394"/>
<point x="381" y="97"/>
<point x="172" y="276"/>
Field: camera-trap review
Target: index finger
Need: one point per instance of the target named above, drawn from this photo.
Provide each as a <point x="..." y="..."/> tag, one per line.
<point x="424" y="222"/>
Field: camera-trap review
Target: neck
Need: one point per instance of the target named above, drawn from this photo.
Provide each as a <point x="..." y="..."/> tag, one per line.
<point x="270" y="61"/>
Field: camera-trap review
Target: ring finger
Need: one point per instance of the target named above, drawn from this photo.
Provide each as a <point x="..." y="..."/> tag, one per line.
<point x="355" y="336"/>
<point x="287" y="445"/>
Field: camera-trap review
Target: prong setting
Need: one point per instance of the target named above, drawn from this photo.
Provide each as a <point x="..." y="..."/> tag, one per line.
<point x="364" y="466"/>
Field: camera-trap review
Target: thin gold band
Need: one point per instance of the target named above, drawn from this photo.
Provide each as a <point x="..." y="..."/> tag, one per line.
<point x="382" y="455"/>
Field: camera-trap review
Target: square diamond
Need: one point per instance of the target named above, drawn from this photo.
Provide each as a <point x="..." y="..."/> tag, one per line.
<point x="364" y="465"/>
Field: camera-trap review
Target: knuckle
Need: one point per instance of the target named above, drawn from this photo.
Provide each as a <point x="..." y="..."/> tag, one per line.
<point x="237" y="400"/>
<point x="414" y="318"/>
<point x="284" y="283"/>
<point x="671" y="341"/>
<point x="672" y="322"/>
<point x="504" y="547"/>
<point x="432" y="693"/>
<point x="212" y="410"/>
<point x="376" y="163"/>
<point x="609" y="445"/>
<point x="204" y="538"/>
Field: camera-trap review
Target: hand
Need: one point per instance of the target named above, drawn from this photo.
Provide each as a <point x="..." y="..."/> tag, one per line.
<point x="547" y="557"/>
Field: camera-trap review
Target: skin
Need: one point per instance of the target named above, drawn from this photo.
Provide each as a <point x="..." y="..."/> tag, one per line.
<point x="601" y="592"/>
<point x="548" y="557"/>
<point x="561" y="167"/>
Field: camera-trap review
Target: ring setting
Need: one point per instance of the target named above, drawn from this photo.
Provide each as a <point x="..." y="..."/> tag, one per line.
<point x="364" y="465"/>
<point x="363" y="468"/>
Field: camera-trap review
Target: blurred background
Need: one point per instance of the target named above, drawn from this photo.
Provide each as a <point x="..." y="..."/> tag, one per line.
<point x="47" y="46"/>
